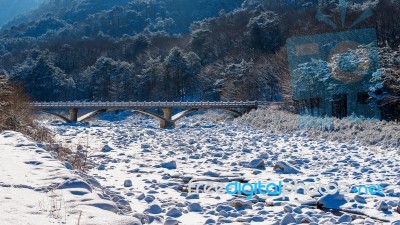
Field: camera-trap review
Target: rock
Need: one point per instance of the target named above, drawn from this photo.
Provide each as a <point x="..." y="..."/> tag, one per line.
<point x="212" y="174"/>
<point x="195" y="207"/>
<point x="141" y="217"/>
<point x="193" y="196"/>
<point x="107" y="148"/>
<point x="128" y="183"/>
<point x="256" y="163"/>
<point x="101" y="167"/>
<point x="225" y="208"/>
<point x="331" y="201"/>
<point x="69" y="166"/>
<point x="360" y="199"/>
<point x="383" y="206"/>
<point x="244" y="220"/>
<point x="258" y="219"/>
<point x="141" y="197"/>
<point x="171" y="222"/>
<point x="240" y="204"/>
<point x="210" y="221"/>
<point x="149" y="198"/>
<point x="306" y="220"/>
<point x="154" y="209"/>
<point x="288" y="219"/>
<point x="174" y="212"/>
<point x="298" y="210"/>
<point x="264" y="155"/>
<point x="124" y="203"/>
<point x="105" y="205"/>
<point x="169" y="165"/>
<point x="286" y="168"/>
<point x="75" y="183"/>
<point x="223" y="213"/>
<point x="287" y="209"/>
<point x="345" y="218"/>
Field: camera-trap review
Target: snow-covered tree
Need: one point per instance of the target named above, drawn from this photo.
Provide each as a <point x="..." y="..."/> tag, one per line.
<point x="4" y="87"/>
<point x="176" y="74"/>
<point x="110" y="80"/>
<point x="265" y="34"/>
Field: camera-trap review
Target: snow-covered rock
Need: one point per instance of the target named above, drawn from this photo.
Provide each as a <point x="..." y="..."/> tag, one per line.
<point x="345" y="218"/>
<point x="286" y="168"/>
<point x="288" y="219"/>
<point x="360" y="199"/>
<point x="154" y="209"/>
<point x="169" y="165"/>
<point x="75" y="183"/>
<point x="128" y="183"/>
<point x="256" y="163"/>
<point x="107" y="148"/>
<point x="195" y="207"/>
<point x="174" y="212"/>
<point x="332" y="201"/>
<point x="382" y="206"/>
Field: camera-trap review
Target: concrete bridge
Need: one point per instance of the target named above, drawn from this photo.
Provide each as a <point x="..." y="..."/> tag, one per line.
<point x="166" y="120"/>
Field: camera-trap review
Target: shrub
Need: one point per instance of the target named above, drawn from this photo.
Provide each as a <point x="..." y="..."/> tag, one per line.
<point x="352" y="129"/>
<point x="16" y="114"/>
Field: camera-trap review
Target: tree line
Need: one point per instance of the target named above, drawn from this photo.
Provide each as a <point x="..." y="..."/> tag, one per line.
<point x="146" y="50"/>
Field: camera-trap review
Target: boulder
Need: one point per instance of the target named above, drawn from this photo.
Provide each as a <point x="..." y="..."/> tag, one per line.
<point x="256" y="163"/>
<point x="330" y="201"/>
<point x="286" y="168"/>
<point x="288" y="219"/>
<point x="107" y="148"/>
<point x="169" y="165"/>
<point x="345" y="218"/>
<point x="75" y="183"/>
<point x="128" y="183"/>
<point x="195" y="207"/>
<point x="383" y="206"/>
<point x="154" y="209"/>
<point x="174" y="212"/>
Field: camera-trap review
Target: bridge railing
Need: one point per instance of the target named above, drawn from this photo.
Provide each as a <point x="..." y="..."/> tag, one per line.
<point x="236" y="104"/>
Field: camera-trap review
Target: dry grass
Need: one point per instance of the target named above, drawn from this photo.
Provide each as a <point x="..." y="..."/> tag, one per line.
<point x="349" y="130"/>
<point x="17" y="115"/>
<point x="54" y="205"/>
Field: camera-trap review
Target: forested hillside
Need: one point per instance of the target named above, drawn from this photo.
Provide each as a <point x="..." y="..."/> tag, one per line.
<point x="171" y="49"/>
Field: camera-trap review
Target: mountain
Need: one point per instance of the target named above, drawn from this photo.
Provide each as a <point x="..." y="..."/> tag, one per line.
<point x="154" y="50"/>
<point x="120" y="17"/>
<point x="9" y="9"/>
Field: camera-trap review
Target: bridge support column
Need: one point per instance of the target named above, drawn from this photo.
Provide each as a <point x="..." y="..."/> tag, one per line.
<point x="246" y="111"/>
<point x="168" y="118"/>
<point x="73" y="115"/>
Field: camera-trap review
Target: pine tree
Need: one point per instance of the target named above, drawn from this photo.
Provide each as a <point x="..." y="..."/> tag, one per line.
<point x="176" y="71"/>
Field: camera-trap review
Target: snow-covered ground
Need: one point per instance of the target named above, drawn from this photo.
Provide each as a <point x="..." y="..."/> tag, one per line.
<point x="37" y="189"/>
<point x="145" y="171"/>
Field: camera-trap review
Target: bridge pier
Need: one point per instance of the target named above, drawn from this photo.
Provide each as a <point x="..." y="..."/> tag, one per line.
<point x="168" y="118"/>
<point x="73" y="115"/>
<point x="247" y="111"/>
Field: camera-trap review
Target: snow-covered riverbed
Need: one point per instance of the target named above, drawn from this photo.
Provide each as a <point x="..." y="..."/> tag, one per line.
<point x="146" y="169"/>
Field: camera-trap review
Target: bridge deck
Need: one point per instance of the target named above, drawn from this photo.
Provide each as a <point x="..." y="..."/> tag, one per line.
<point x="146" y="105"/>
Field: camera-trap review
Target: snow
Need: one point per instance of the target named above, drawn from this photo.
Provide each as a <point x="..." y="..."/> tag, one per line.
<point x="37" y="189"/>
<point x="159" y="163"/>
